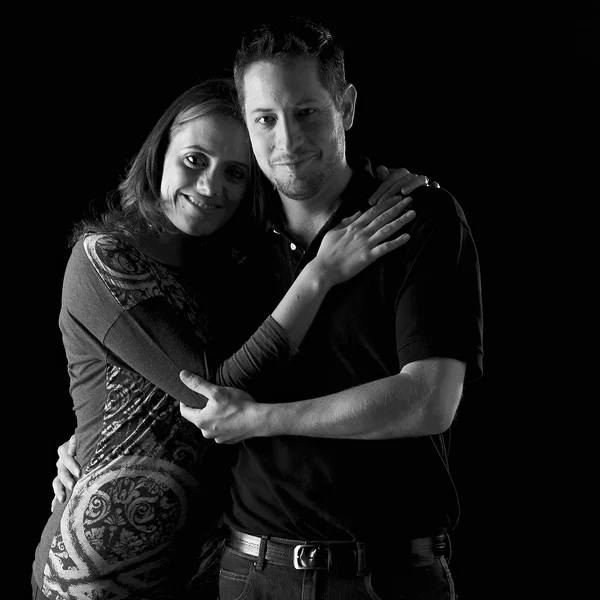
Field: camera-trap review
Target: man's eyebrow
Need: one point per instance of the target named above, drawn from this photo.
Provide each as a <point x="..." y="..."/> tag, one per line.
<point x="309" y="100"/>
<point x="241" y="164"/>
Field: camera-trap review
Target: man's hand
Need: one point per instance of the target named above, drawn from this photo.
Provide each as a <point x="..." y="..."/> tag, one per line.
<point x="68" y="471"/>
<point x="230" y="415"/>
<point x="397" y="181"/>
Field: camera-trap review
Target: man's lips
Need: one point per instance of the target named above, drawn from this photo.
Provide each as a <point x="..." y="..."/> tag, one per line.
<point x="291" y="163"/>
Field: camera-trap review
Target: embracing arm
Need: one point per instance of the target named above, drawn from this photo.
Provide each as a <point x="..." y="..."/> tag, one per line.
<point x="345" y="251"/>
<point x="420" y="400"/>
<point x="114" y="294"/>
<point x="438" y="335"/>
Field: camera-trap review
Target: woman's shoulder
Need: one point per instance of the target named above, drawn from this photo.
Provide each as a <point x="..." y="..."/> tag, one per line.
<point x="108" y="241"/>
<point x="126" y="271"/>
<point x="114" y="251"/>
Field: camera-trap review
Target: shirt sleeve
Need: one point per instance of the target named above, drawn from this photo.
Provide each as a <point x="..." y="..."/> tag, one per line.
<point x="145" y="331"/>
<point x="439" y="307"/>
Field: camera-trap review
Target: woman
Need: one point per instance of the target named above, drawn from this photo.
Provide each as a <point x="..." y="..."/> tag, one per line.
<point x="149" y="290"/>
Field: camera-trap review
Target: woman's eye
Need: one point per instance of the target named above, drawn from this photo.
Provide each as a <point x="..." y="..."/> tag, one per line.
<point x="193" y="159"/>
<point x="265" y="120"/>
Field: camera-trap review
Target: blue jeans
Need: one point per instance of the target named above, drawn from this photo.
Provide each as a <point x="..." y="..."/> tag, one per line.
<point x="240" y="579"/>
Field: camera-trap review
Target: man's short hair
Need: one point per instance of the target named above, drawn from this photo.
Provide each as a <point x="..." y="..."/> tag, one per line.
<point x="293" y="37"/>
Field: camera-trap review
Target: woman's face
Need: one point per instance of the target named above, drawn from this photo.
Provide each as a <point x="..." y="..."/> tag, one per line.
<point x="205" y="174"/>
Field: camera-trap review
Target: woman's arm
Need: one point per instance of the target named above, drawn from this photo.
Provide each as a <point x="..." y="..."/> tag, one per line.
<point x="158" y="344"/>
<point x="345" y="251"/>
<point x="151" y="338"/>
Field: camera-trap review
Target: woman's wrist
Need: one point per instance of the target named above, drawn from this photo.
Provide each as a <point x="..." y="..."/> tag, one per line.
<point x="317" y="277"/>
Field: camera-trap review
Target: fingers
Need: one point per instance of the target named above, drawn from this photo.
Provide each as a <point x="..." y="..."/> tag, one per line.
<point x="387" y="247"/>
<point x="382" y="213"/>
<point x="197" y="383"/>
<point x="66" y="461"/>
<point x="348" y="220"/>
<point x="391" y="186"/>
<point x="71" y="446"/>
<point x="196" y="417"/>
<point x="60" y="494"/>
<point x="66" y="479"/>
<point x="417" y="181"/>
<point x="387" y="229"/>
<point x="398" y="181"/>
<point x="190" y="413"/>
<point x="402" y="187"/>
<point x="382" y="173"/>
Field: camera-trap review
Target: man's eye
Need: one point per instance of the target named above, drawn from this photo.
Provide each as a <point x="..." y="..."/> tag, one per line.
<point x="305" y="112"/>
<point x="237" y="173"/>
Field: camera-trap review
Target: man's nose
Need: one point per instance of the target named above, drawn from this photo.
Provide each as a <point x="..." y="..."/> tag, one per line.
<point x="289" y="135"/>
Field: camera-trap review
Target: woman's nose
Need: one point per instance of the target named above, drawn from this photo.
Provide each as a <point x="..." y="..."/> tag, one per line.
<point x="209" y="184"/>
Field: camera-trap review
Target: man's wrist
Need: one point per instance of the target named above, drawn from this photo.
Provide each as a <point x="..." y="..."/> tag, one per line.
<point x="271" y="419"/>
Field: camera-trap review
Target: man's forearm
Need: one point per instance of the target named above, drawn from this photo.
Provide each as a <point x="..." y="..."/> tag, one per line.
<point x="421" y="400"/>
<point x="395" y="406"/>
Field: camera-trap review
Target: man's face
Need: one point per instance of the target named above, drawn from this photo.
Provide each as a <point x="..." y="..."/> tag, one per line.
<point x="297" y="133"/>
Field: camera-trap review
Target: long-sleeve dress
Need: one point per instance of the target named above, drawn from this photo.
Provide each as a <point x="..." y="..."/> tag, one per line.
<point x="151" y="487"/>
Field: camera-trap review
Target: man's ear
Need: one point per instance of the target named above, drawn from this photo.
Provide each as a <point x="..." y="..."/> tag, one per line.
<point x="348" y="106"/>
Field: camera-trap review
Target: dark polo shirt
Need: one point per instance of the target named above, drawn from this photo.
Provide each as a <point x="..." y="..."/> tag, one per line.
<point x="420" y="301"/>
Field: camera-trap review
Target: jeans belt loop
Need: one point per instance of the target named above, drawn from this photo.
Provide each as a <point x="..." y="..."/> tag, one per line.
<point x="361" y="558"/>
<point x="259" y="563"/>
<point x="448" y="553"/>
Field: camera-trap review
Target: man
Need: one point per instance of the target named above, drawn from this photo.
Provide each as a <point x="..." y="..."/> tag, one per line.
<point x="342" y="486"/>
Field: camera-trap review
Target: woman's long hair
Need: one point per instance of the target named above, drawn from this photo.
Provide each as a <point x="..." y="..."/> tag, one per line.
<point x="135" y="208"/>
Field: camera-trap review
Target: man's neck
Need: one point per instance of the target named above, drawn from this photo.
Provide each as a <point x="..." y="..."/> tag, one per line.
<point x="304" y="218"/>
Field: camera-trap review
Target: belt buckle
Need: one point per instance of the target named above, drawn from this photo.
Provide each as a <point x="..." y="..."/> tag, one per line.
<point x="304" y="557"/>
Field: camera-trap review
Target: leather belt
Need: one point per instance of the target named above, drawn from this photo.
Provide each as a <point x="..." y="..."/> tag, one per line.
<point x="330" y="555"/>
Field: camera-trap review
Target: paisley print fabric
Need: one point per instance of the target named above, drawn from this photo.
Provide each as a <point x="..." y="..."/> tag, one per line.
<point x="138" y="512"/>
<point x="133" y="278"/>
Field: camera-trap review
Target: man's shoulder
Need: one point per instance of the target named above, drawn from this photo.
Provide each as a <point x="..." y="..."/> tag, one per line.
<point x="438" y="205"/>
<point x="436" y="201"/>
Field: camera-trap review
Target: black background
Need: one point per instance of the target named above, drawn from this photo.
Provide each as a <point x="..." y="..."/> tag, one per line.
<point x="455" y="96"/>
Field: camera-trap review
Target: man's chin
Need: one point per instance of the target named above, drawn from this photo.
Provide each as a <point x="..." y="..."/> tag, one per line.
<point x="297" y="192"/>
<point x="299" y="189"/>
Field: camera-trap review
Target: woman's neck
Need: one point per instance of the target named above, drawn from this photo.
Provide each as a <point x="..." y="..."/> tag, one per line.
<point x="171" y="248"/>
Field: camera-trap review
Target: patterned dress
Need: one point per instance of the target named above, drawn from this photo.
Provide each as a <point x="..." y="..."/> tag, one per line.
<point x="152" y="488"/>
